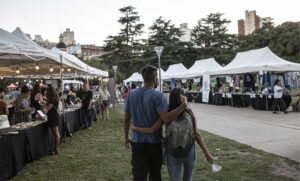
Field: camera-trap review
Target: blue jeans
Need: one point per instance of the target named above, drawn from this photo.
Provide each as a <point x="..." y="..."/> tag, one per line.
<point x="174" y="166"/>
<point x="86" y="118"/>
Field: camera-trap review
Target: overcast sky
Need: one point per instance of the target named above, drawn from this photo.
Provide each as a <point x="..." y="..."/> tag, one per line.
<point x="93" y="20"/>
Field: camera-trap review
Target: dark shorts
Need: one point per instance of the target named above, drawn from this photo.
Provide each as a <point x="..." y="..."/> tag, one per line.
<point x="146" y="160"/>
<point x="105" y="103"/>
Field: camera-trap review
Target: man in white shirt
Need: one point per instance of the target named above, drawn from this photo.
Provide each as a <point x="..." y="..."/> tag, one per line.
<point x="278" y="98"/>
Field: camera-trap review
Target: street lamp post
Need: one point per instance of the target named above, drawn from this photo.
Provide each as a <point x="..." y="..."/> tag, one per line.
<point x="115" y="71"/>
<point x="158" y="51"/>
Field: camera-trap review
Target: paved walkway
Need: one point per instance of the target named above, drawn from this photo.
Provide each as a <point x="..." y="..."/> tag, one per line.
<point x="278" y="134"/>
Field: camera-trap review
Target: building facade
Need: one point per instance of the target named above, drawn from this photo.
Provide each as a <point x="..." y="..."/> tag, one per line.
<point x="44" y="43"/>
<point x="69" y="37"/>
<point x="250" y="24"/>
<point x="187" y="32"/>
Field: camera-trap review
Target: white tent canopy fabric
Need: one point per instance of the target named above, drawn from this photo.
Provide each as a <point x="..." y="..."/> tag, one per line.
<point x="255" y="61"/>
<point x="18" y="51"/>
<point x="173" y="71"/>
<point x="135" y="77"/>
<point x="15" y="52"/>
<point x="90" y="70"/>
<point x="50" y="54"/>
<point x="200" y="68"/>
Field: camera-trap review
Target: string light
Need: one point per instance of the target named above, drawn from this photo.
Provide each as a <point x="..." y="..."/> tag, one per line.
<point x="69" y="69"/>
<point x="17" y="83"/>
<point x="18" y="71"/>
<point x="24" y="80"/>
<point x="37" y="67"/>
<point x="1" y="78"/>
<point x="62" y="69"/>
<point x="51" y="69"/>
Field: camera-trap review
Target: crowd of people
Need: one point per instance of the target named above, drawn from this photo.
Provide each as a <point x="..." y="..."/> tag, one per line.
<point x="27" y="102"/>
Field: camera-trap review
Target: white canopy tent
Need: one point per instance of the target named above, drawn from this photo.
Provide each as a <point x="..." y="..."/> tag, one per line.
<point x="135" y="77"/>
<point x="16" y="53"/>
<point x="67" y="61"/>
<point x="173" y="71"/>
<point x="262" y="59"/>
<point x="199" y="68"/>
<point x="90" y="70"/>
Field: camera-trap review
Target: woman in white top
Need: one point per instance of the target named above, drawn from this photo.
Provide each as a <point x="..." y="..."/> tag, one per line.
<point x="105" y="97"/>
<point x="278" y="98"/>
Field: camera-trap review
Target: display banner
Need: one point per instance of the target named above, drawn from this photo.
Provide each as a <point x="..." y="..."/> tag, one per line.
<point x="205" y="88"/>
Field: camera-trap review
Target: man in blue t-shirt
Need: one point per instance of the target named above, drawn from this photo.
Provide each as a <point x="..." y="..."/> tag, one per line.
<point x="144" y="106"/>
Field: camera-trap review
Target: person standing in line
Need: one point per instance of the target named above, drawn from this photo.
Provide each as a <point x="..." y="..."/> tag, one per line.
<point x="53" y="117"/>
<point x="143" y="107"/>
<point x="186" y="157"/>
<point x="105" y="96"/>
<point x="86" y="101"/>
<point x="278" y="91"/>
<point x="36" y="98"/>
<point x="3" y="105"/>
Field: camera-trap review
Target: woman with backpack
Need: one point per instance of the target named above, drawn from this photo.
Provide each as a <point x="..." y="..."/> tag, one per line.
<point x="179" y="141"/>
<point x="52" y="107"/>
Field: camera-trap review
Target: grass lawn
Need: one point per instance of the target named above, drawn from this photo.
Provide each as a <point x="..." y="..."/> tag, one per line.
<point x="99" y="154"/>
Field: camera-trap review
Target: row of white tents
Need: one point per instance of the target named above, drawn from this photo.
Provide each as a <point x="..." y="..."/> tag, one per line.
<point x="19" y="52"/>
<point x="252" y="61"/>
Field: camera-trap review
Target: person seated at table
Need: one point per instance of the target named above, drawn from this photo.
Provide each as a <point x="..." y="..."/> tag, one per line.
<point x="278" y="91"/>
<point x="22" y="108"/>
<point x="52" y="105"/>
<point x="222" y="88"/>
<point x="35" y="98"/>
<point x="297" y="103"/>
<point x="3" y="105"/>
<point x="199" y="87"/>
<point x="71" y="97"/>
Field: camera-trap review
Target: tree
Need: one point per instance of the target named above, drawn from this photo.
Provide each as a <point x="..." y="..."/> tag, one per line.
<point x="283" y="40"/>
<point x="211" y="32"/>
<point x="210" y="35"/>
<point x="131" y="28"/>
<point x="164" y="33"/>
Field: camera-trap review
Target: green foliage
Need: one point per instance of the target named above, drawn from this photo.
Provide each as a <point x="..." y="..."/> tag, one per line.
<point x="210" y="38"/>
<point x="283" y="40"/>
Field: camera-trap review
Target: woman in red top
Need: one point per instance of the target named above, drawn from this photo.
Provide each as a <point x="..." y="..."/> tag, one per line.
<point x="3" y="106"/>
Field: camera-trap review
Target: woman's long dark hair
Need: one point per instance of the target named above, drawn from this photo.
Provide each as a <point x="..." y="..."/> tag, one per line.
<point x="36" y="89"/>
<point x="173" y="99"/>
<point x="51" y="93"/>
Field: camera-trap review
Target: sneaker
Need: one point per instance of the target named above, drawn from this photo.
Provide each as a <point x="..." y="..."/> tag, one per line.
<point x="275" y="112"/>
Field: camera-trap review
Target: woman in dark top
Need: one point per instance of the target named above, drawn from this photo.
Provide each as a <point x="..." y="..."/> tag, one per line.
<point x="52" y="106"/>
<point x="35" y="98"/>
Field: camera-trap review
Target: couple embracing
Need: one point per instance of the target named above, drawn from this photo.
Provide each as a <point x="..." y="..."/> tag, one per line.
<point x="148" y="110"/>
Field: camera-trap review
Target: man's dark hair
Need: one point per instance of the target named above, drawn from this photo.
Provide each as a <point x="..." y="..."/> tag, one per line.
<point x="24" y="90"/>
<point x="1" y="89"/>
<point x="148" y="72"/>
